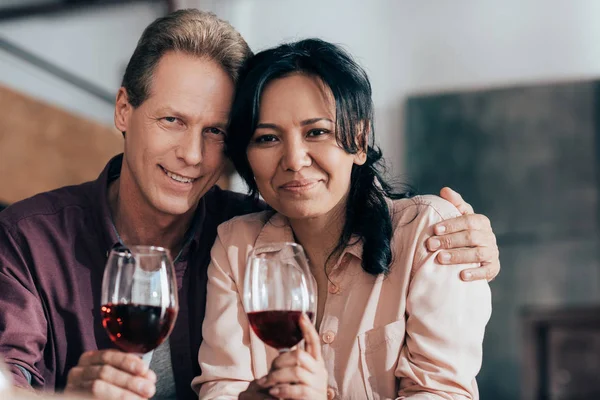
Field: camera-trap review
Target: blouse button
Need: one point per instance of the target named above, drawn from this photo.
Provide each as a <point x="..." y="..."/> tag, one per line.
<point x="328" y="337"/>
<point x="330" y="394"/>
<point x="333" y="289"/>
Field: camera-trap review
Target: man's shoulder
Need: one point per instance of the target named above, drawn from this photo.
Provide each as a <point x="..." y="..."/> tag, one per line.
<point x="47" y="203"/>
<point x="227" y="204"/>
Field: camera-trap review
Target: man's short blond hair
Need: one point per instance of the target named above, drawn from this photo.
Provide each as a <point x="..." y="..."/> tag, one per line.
<point x="190" y="31"/>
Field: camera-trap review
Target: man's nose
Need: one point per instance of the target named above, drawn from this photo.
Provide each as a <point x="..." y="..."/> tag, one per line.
<point x="191" y="147"/>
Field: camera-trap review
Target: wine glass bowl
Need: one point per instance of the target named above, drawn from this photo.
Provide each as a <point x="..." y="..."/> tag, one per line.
<point x="139" y="298"/>
<point x="278" y="289"/>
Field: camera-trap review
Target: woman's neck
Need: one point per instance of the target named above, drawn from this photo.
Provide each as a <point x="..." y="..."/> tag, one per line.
<point x="319" y="236"/>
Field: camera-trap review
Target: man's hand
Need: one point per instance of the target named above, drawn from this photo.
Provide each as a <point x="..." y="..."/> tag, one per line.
<point x="111" y="374"/>
<point x="467" y="239"/>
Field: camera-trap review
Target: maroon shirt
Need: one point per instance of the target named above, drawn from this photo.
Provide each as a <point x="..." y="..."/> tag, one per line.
<point x="53" y="248"/>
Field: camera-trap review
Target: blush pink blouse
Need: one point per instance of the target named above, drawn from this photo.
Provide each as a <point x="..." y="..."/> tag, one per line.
<point x="415" y="334"/>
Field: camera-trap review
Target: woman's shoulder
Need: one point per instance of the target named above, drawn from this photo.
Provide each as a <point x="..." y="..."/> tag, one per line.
<point x="420" y="208"/>
<point x="245" y="226"/>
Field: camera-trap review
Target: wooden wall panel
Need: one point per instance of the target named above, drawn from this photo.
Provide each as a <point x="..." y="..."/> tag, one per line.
<point x="43" y="147"/>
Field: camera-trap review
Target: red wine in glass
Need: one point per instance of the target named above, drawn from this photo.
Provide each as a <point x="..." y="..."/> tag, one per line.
<point x="278" y="329"/>
<point x="139" y="298"/>
<point x="278" y="289"/>
<point x="136" y="328"/>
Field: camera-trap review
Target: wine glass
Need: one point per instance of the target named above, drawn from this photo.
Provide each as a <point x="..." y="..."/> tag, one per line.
<point x="139" y="298"/>
<point x="278" y="289"/>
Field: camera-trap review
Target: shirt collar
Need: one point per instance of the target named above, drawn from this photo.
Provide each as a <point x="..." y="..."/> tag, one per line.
<point x="99" y="202"/>
<point x="277" y="229"/>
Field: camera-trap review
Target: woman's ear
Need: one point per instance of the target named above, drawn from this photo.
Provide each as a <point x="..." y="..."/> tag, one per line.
<point x="122" y="110"/>
<point x="364" y="130"/>
<point x="360" y="158"/>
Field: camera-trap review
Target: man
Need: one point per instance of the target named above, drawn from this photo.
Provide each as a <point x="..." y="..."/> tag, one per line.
<point x="173" y="109"/>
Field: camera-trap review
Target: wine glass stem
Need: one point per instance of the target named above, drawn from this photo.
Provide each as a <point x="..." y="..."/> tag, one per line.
<point x="146" y="357"/>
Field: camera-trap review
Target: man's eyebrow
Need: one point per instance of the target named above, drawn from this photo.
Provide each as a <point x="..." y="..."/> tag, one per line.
<point x="170" y="112"/>
<point x="221" y="124"/>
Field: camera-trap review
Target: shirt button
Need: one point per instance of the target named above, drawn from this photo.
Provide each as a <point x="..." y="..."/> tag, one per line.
<point x="334" y="289"/>
<point x="330" y="394"/>
<point x="328" y="337"/>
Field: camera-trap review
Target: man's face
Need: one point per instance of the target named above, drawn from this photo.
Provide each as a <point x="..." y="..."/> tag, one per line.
<point x="174" y="140"/>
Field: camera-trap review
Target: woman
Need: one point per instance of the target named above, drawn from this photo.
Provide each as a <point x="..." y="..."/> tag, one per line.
<point x="391" y="321"/>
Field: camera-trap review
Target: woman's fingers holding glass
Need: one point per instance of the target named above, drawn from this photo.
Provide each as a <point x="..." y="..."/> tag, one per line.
<point x="300" y="392"/>
<point x="297" y="358"/>
<point x="255" y="391"/>
<point x="311" y="338"/>
<point x="297" y="382"/>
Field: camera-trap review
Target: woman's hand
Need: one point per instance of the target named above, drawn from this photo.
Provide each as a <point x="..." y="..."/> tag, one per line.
<point x="299" y="374"/>
<point x="467" y="239"/>
<point x="255" y="392"/>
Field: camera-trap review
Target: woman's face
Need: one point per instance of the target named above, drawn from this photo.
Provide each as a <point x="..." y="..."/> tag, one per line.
<point x="299" y="168"/>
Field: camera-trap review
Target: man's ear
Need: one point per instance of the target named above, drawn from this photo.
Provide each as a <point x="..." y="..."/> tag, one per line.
<point x="122" y="110"/>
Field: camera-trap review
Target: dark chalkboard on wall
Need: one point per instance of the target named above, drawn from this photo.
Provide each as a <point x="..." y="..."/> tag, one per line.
<point x="528" y="158"/>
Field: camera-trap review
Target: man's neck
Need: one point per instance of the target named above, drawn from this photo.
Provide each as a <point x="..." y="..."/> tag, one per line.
<point x="141" y="225"/>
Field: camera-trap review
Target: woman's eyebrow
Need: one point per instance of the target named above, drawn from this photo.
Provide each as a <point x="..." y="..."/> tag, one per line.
<point x="314" y="120"/>
<point x="310" y="121"/>
<point x="267" y="125"/>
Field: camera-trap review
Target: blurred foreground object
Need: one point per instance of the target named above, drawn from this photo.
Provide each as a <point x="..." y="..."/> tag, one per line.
<point x="5" y="381"/>
<point x="7" y="392"/>
<point x="43" y="147"/>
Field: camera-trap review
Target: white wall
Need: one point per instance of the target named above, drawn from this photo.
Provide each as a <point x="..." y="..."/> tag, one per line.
<point x="413" y="46"/>
<point x="94" y="44"/>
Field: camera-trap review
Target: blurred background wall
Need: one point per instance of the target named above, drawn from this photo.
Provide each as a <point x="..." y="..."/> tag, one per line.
<point x="510" y="82"/>
<point x="428" y="46"/>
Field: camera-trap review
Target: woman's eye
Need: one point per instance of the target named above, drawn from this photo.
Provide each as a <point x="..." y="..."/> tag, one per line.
<point x="265" y="139"/>
<point x="317" y="132"/>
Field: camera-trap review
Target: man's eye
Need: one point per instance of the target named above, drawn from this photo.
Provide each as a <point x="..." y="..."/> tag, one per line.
<point x="170" y="119"/>
<point x="215" y="131"/>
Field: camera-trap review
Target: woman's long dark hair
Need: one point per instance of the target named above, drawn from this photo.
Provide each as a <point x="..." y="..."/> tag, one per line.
<point x="367" y="213"/>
